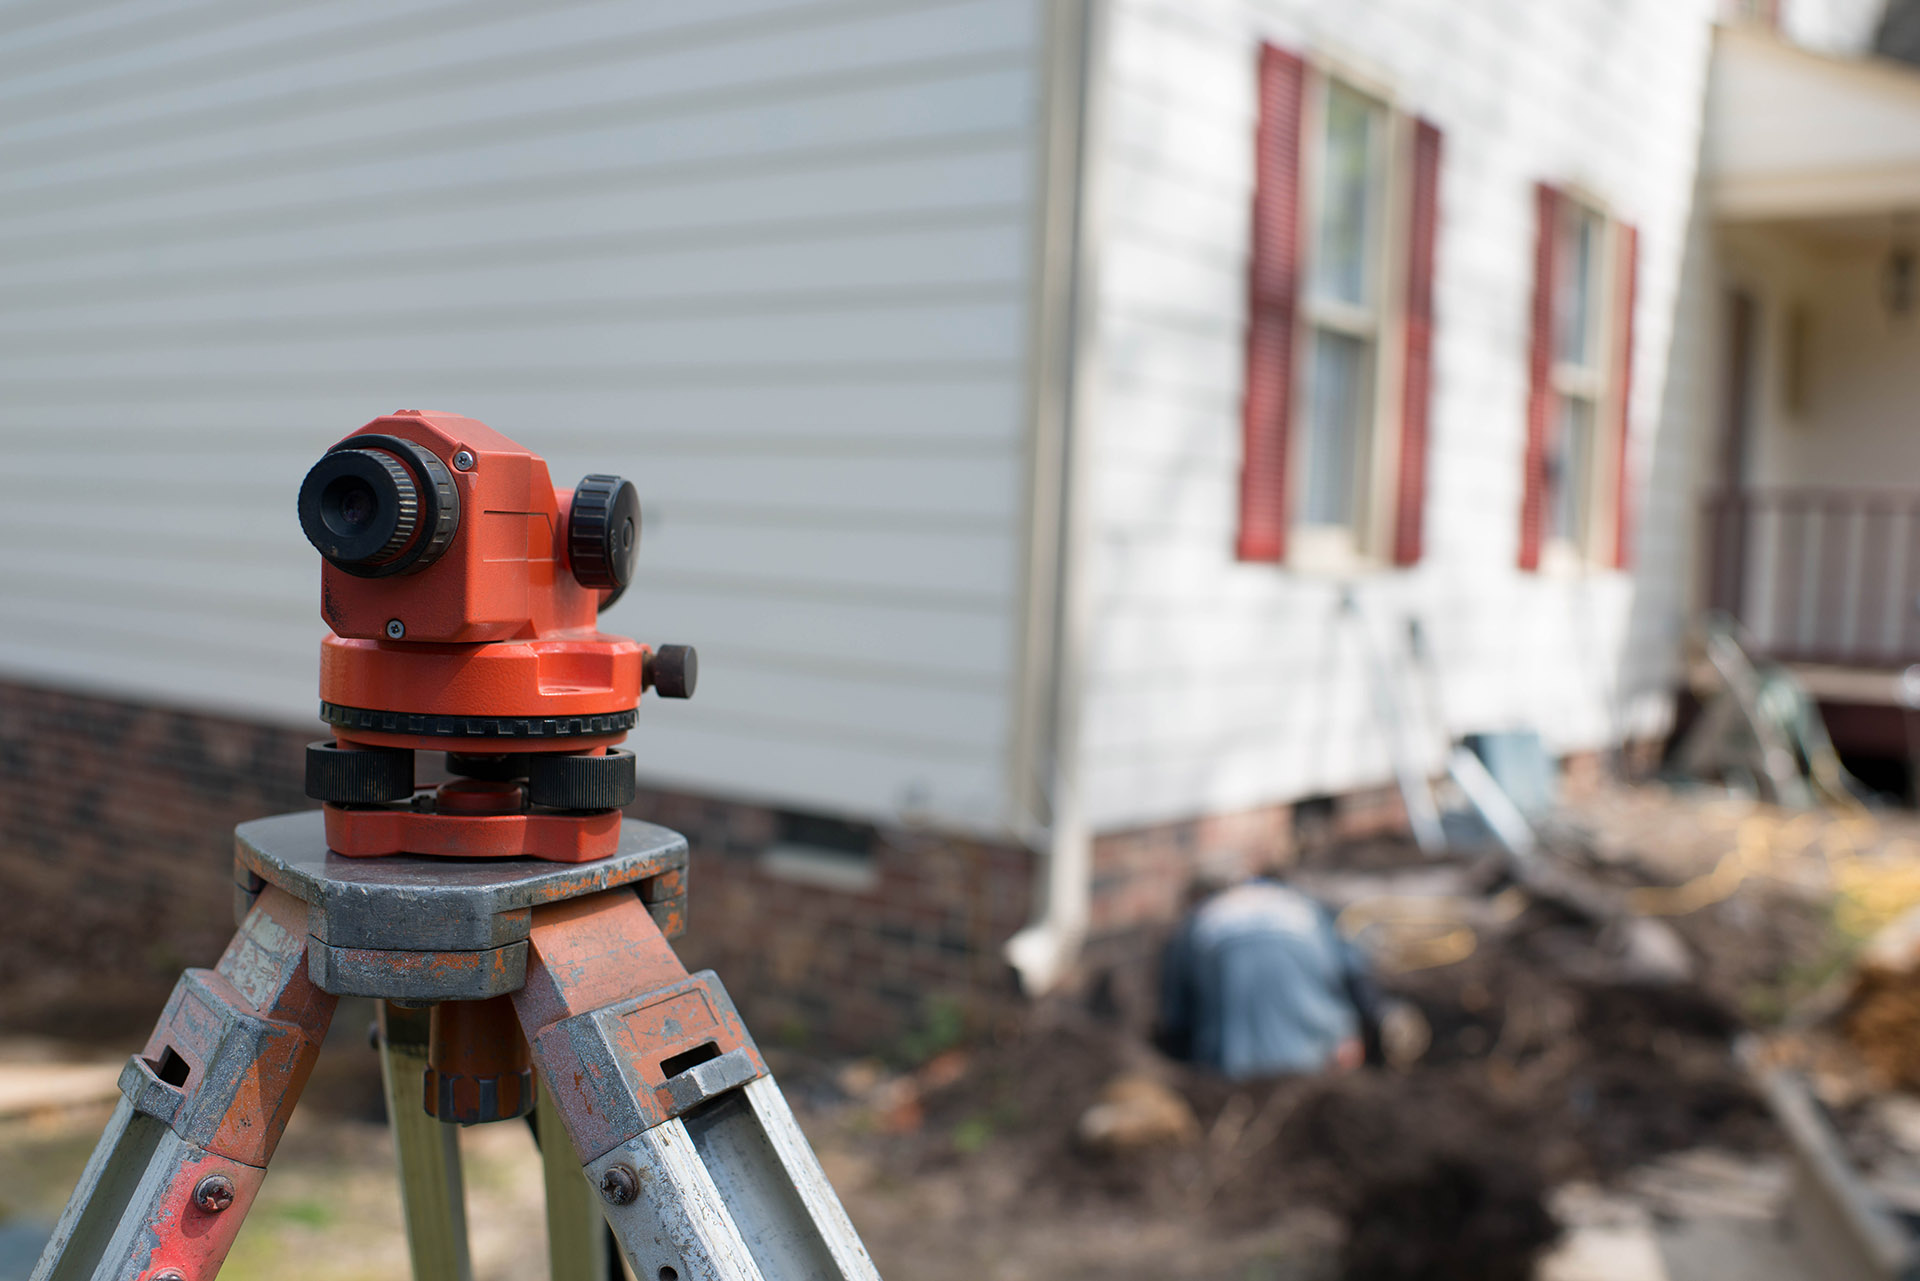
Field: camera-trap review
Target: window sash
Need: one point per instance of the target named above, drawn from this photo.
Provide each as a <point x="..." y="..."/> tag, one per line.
<point x="1342" y="309"/>
<point x="1571" y="471"/>
<point x="1581" y="378"/>
<point x="1335" y="445"/>
<point x="1347" y="206"/>
<point x="1579" y="309"/>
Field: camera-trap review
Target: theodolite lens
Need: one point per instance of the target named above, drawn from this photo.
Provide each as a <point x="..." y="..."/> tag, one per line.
<point x="364" y="508"/>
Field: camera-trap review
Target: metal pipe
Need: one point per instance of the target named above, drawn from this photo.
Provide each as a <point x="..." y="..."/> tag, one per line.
<point x="1065" y="380"/>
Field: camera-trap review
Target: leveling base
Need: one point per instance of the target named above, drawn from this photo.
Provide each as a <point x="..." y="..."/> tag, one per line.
<point x="656" y="1116"/>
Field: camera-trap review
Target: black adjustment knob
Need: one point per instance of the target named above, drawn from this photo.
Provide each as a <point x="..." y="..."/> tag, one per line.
<point x="493" y="769"/>
<point x="672" y="671"/>
<point x="603" y="531"/>
<point x="568" y="782"/>
<point x="359" y="775"/>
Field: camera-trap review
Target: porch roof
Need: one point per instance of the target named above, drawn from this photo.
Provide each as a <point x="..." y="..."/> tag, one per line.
<point x="1794" y="134"/>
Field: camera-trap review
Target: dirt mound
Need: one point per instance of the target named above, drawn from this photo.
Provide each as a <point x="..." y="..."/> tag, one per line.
<point x="1457" y="1216"/>
<point x="1537" y="1074"/>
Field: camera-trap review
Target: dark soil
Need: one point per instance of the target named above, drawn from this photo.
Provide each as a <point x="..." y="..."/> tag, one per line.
<point x="1539" y="1072"/>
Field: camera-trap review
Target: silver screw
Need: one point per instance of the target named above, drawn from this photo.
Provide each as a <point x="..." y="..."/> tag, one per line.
<point x="463" y="461"/>
<point x="619" y="1185"/>
<point x="395" y="629"/>
<point x="213" y="1193"/>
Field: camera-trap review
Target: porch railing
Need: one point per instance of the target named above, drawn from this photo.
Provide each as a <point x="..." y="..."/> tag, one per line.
<point x="1819" y="575"/>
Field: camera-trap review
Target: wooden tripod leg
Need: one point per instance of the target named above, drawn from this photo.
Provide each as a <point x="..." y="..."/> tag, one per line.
<point x="576" y="1227"/>
<point x="204" y="1106"/>
<point x="427" y="1151"/>
<point x="704" y="1175"/>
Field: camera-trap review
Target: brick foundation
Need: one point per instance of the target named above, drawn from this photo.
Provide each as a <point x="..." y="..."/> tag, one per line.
<point x="116" y="825"/>
<point x="116" y="839"/>
<point x="829" y="967"/>
<point x="116" y="831"/>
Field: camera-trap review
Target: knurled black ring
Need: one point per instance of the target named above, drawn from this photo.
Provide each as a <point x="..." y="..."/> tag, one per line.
<point x="430" y="725"/>
<point x="439" y="504"/>
<point x="567" y="781"/>
<point x="358" y="776"/>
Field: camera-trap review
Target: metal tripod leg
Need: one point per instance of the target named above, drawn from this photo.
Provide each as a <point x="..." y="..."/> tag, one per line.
<point x="704" y="1173"/>
<point x="734" y="1194"/>
<point x="204" y="1105"/>
<point x="427" y="1151"/>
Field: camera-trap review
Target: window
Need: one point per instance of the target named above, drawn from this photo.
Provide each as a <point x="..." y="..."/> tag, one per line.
<point x="1343" y="312"/>
<point x="812" y="849"/>
<point x="1574" y="510"/>
<point x="1579" y="378"/>
<point x="1339" y="324"/>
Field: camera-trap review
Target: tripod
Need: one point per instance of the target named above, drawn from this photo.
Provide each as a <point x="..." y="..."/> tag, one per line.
<point x="654" y="1103"/>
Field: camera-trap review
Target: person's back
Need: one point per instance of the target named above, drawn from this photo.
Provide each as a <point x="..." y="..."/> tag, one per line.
<point x="1260" y="983"/>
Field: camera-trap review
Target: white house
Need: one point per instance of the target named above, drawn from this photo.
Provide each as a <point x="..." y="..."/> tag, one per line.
<point x="1048" y="413"/>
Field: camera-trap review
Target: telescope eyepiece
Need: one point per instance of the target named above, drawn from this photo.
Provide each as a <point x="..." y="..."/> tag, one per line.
<point x="359" y="507"/>
<point x="375" y="506"/>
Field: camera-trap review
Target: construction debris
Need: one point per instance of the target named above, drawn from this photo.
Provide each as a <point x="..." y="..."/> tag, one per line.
<point x="1135" y="1112"/>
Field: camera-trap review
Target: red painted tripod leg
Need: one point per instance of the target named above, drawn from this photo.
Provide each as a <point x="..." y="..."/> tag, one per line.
<point x="615" y="1021"/>
<point x="205" y="1104"/>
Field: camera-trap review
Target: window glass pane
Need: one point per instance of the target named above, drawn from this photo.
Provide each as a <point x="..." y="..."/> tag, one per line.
<point x="1338" y="406"/>
<point x="1348" y="195"/>
<point x="1578" y="288"/>
<point x="1570" y="470"/>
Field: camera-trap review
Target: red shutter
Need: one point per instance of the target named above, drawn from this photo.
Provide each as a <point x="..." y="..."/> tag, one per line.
<point x="1533" y="500"/>
<point x="1272" y="292"/>
<point x="1623" y="387"/>
<point x="1416" y="387"/>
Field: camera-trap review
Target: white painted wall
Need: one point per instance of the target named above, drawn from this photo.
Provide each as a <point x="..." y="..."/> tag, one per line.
<point x="1844" y="27"/>
<point x="1216" y="685"/>
<point x="768" y="258"/>
<point x="1853" y="427"/>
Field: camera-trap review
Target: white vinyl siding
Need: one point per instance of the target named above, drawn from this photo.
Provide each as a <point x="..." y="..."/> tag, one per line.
<point x="1216" y="685"/>
<point x="768" y="259"/>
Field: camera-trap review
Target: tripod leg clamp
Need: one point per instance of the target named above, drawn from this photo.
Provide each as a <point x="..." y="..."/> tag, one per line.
<point x="625" y="1037"/>
<point x="203" y="1106"/>
<point x="677" y="1122"/>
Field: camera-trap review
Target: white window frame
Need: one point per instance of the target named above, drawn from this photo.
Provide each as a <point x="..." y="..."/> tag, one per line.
<point x="1363" y="543"/>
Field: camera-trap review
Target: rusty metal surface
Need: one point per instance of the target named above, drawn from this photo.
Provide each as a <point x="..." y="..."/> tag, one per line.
<point x="434" y="929"/>
<point x="423" y="904"/>
<point x="234" y="1046"/>
<point x="624" y="1036"/>
<point x="394" y="975"/>
<point x="608" y="1066"/>
<point x="139" y="1210"/>
<point x="205" y="1104"/>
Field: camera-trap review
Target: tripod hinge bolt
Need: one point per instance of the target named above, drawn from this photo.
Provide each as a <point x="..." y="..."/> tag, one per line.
<point x="619" y="1185"/>
<point x="171" y="1274"/>
<point x="213" y="1194"/>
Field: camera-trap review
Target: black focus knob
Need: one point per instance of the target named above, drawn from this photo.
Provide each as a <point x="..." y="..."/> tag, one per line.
<point x="672" y="671"/>
<point x="603" y="531"/>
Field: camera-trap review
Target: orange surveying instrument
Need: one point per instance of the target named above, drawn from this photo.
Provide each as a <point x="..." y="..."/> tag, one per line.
<point x="512" y="924"/>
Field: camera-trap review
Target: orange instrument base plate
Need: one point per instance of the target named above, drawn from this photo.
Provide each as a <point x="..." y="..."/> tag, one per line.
<point x="559" y="838"/>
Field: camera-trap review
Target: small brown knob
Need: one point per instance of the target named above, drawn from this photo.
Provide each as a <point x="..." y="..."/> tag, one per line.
<point x="672" y="671"/>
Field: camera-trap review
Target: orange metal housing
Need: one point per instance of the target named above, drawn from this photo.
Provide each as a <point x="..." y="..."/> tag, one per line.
<point x="497" y="627"/>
